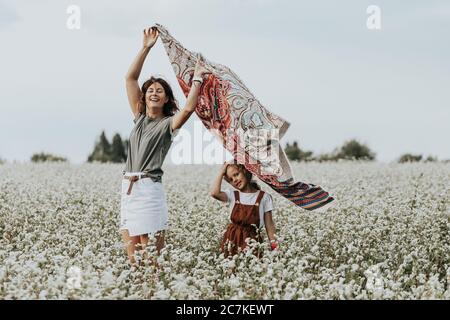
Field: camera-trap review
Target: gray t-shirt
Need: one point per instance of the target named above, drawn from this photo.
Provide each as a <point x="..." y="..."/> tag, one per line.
<point x="148" y="145"/>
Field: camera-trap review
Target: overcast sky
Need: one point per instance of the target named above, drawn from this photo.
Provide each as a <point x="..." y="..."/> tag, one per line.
<point x="314" y="63"/>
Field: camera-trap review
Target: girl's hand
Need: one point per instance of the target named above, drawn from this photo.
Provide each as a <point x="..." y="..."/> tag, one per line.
<point x="150" y="36"/>
<point x="224" y="168"/>
<point x="200" y="69"/>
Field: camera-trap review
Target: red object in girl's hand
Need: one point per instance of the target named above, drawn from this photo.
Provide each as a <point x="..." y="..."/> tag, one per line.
<point x="274" y="245"/>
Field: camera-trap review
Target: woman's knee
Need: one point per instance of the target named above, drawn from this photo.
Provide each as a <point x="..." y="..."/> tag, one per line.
<point x="130" y="241"/>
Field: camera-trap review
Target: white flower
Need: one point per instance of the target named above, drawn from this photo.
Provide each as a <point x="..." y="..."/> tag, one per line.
<point x="374" y="245"/>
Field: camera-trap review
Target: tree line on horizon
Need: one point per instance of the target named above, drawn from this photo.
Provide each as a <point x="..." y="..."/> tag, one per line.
<point x="104" y="151"/>
<point x="350" y="150"/>
<point x="116" y="152"/>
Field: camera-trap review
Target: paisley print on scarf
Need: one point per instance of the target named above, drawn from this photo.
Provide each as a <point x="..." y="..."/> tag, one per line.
<point x="242" y="124"/>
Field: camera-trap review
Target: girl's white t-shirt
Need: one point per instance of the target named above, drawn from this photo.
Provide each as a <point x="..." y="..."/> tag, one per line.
<point x="265" y="205"/>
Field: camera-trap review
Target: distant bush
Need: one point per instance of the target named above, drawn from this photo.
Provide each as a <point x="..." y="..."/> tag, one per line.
<point x="46" y="157"/>
<point x="407" y="157"/>
<point x="293" y="152"/>
<point x="350" y="150"/>
<point x="431" y="159"/>
<point x="354" y="150"/>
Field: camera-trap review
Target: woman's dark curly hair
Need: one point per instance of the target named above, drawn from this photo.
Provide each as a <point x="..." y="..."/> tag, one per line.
<point x="170" y="107"/>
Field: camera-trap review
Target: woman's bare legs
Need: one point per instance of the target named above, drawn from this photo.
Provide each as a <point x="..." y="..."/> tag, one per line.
<point x="140" y="242"/>
<point x="131" y="243"/>
<point x="159" y="240"/>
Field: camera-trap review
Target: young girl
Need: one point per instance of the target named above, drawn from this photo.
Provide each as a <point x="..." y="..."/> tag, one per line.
<point x="251" y="209"/>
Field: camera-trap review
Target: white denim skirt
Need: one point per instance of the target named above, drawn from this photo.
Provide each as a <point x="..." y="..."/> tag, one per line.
<point x="144" y="210"/>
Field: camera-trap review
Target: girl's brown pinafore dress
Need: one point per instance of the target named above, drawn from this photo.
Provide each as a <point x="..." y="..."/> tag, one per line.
<point x="244" y="224"/>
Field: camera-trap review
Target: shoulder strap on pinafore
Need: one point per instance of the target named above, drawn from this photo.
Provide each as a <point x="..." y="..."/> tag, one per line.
<point x="236" y="197"/>
<point x="260" y="196"/>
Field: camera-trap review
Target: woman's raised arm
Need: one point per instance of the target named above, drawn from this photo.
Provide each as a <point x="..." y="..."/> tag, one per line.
<point x="132" y="76"/>
<point x="181" y="117"/>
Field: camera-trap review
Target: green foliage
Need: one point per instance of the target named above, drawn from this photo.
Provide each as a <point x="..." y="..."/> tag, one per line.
<point x="104" y="151"/>
<point x="354" y="150"/>
<point x="46" y="157"/>
<point x="350" y="150"/>
<point x="117" y="149"/>
<point x="293" y="152"/>
<point x="407" y="157"/>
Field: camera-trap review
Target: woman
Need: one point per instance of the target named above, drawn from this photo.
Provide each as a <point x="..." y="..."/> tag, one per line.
<point x="143" y="202"/>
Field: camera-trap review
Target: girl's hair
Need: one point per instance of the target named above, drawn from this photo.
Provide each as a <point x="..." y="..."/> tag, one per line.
<point x="247" y="174"/>
<point x="170" y="107"/>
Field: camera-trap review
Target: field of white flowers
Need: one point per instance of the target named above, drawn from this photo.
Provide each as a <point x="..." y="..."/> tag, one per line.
<point x="387" y="238"/>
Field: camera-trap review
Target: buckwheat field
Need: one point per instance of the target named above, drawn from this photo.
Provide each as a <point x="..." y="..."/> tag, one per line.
<point x="387" y="237"/>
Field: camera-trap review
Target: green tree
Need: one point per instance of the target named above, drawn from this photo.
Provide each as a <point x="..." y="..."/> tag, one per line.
<point x="354" y="150"/>
<point x="117" y="149"/>
<point x="293" y="152"/>
<point x="407" y="157"/>
<point x="102" y="150"/>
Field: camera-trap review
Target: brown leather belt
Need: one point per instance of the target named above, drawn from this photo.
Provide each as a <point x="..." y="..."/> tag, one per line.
<point x="133" y="179"/>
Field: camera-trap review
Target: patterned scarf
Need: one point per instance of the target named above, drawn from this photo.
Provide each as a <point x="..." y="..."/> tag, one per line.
<point x="245" y="128"/>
